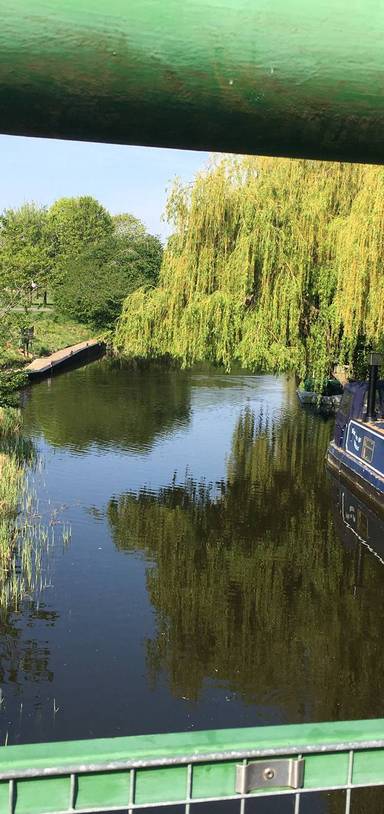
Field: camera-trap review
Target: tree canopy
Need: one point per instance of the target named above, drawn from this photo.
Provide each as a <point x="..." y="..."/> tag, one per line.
<point x="89" y="260"/>
<point x="24" y="262"/>
<point x="275" y="263"/>
<point x="75" y="223"/>
<point x="96" y="276"/>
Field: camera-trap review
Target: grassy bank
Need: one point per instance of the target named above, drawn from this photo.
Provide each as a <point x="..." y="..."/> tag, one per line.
<point x="51" y="333"/>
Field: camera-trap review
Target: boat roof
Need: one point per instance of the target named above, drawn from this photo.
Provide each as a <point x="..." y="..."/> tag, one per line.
<point x="354" y="387"/>
<point x="358" y="391"/>
<point x="377" y="426"/>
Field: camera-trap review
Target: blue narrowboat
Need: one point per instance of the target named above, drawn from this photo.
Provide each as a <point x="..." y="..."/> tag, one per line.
<point x="356" y="453"/>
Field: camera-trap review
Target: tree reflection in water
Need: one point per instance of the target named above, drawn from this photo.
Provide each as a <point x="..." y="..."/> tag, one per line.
<point x="109" y="404"/>
<point x="252" y="588"/>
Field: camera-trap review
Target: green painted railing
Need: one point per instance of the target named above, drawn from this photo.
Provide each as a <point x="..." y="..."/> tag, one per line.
<point x="280" y="77"/>
<point x="187" y="768"/>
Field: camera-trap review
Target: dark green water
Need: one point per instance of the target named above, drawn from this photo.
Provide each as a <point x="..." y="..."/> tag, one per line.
<point x="210" y="581"/>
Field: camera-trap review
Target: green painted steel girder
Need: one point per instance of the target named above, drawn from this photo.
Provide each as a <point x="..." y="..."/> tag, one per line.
<point x="97" y="775"/>
<point x="281" y="77"/>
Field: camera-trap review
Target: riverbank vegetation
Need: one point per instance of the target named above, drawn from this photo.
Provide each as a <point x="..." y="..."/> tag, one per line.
<point x="54" y="331"/>
<point x="65" y="272"/>
<point x="11" y="482"/>
<point x="273" y="263"/>
<point x="25" y="538"/>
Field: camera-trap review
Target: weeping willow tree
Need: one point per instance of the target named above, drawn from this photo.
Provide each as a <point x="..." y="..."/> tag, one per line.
<point x="273" y="263"/>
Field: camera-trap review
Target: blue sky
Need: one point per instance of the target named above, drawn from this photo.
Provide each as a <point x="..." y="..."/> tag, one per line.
<point x="124" y="179"/>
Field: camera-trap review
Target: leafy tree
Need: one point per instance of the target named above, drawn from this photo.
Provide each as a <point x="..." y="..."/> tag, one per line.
<point x="25" y="264"/>
<point x="24" y="255"/>
<point x="277" y="264"/>
<point x="95" y="282"/>
<point x="145" y="250"/>
<point x="126" y="225"/>
<point x="74" y="223"/>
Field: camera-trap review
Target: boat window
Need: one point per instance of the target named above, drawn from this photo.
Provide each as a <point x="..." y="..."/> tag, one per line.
<point x="368" y="449"/>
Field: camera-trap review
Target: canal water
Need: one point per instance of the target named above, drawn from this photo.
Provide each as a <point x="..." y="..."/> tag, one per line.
<point x="214" y="576"/>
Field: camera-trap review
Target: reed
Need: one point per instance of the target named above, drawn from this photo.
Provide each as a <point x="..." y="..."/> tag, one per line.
<point x="25" y="541"/>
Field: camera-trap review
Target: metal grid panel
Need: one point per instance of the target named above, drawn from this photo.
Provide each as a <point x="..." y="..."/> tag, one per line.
<point x="188" y="766"/>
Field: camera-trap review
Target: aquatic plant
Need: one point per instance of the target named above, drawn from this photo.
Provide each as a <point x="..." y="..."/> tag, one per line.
<point x="25" y="540"/>
<point x="273" y="263"/>
<point x="10" y="421"/>
<point x="10" y="481"/>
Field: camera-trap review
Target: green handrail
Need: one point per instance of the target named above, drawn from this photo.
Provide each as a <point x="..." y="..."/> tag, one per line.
<point x="190" y="767"/>
<point x="281" y="77"/>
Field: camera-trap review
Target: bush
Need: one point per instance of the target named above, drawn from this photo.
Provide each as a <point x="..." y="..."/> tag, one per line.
<point x="10" y="382"/>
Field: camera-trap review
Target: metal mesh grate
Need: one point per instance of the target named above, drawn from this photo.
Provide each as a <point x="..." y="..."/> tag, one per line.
<point x="189" y="778"/>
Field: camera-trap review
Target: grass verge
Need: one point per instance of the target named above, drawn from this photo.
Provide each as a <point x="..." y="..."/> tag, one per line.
<point x="53" y="332"/>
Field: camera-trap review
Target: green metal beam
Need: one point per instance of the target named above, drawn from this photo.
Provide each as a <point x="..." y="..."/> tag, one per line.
<point x="283" y="77"/>
<point x="94" y="775"/>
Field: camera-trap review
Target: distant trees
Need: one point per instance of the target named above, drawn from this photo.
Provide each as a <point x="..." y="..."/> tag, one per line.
<point x="96" y="275"/>
<point x="89" y="260"/>
<point x="76" y="223"/>
<point x="25" y="262"/>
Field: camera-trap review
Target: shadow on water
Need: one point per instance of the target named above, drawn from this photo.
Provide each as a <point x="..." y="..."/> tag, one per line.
<point x="99" y="406"/>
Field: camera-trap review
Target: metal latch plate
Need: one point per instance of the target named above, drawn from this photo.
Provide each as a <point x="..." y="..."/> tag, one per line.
<point x="263" y="774"/>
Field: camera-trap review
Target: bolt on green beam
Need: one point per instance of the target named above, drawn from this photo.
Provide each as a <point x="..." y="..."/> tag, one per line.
<point x="281" y="77"/>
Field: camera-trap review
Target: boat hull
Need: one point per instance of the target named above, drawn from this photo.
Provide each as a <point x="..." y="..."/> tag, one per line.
<point x="364" y="482"/>
<point x="358" y="522"/>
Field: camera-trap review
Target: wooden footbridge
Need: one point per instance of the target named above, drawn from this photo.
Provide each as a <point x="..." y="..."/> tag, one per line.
<point x="278" y="77"/>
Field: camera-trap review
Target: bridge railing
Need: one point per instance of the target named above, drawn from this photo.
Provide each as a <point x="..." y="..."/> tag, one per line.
<point x="184" y="769"/>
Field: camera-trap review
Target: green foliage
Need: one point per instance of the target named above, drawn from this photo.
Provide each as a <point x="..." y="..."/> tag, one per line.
<point x="24" y="254"/>
<point x="10" y="422"/>
<point x="96" y="281"/>
<point x="10" y="382"/>
<point x="53" y="332"/>
<point x="273" y="263"/>
<point x="74" y="223"/>
<point x="88" y="260"/>
<point x="24" y="263"/>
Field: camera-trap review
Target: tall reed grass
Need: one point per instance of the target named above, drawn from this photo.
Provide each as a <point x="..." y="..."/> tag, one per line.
<point x="24" y="539"/>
